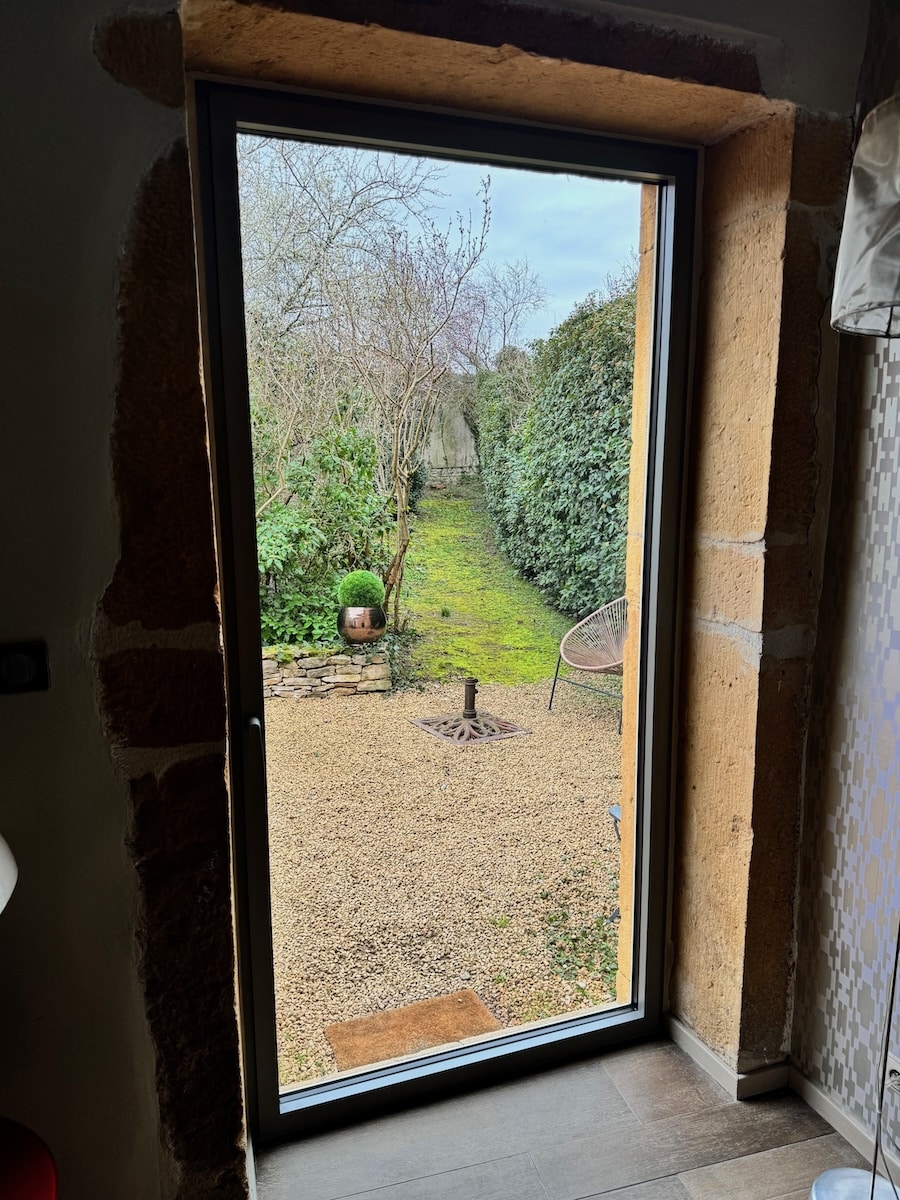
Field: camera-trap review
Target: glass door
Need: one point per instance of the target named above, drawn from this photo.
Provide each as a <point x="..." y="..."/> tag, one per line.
<point x="442" y="882"/>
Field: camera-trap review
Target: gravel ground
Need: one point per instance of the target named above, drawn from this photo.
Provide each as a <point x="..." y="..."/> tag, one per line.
<point x="404" y="867"/>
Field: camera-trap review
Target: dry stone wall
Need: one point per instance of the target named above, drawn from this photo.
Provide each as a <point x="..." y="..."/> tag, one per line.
<point x="312" y="673"/>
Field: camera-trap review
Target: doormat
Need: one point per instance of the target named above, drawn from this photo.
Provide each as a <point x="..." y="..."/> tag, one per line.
<point x="409" y="1030"/>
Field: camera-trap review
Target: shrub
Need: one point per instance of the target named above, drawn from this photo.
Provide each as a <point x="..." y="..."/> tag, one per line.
<point x="321" y="519"/>
<point x="361" y="589"/>
<point x="554" y="439"/>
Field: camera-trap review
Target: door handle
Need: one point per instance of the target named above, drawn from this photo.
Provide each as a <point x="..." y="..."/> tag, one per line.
<point x="255" y="730"/>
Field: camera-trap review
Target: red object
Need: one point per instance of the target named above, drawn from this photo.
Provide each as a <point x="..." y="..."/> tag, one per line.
<point x="27" y="1169"/>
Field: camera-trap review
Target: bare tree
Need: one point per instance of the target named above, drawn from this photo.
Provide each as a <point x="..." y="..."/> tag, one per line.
<point x="498" y="301"/>
<point x="310" y="215"/>
<point x="400" y="324"/>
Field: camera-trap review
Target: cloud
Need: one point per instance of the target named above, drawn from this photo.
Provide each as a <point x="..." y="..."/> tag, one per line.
<point x="574" y="230"/>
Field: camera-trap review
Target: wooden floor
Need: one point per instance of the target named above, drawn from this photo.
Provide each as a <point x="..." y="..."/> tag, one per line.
<point x="644" y="1123"/>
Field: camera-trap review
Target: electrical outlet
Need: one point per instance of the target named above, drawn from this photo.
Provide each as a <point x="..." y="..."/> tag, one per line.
<point x="892" y="1081"/>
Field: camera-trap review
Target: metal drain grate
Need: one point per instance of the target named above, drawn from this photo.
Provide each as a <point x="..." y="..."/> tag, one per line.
<point x="469" y="726"/>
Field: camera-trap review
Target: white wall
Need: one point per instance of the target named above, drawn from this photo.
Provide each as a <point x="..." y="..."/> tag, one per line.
<point x="75" y="1058"/>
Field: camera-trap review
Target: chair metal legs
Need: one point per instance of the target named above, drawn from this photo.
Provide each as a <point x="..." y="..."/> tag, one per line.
<point x="555" y="677"/>
<point x="587" y="687"/>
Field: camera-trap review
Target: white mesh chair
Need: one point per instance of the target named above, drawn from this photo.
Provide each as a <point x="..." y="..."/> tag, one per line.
<point x="596" y="644"/>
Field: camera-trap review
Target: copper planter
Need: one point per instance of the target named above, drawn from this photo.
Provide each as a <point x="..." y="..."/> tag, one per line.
<point x="362" y="624"/>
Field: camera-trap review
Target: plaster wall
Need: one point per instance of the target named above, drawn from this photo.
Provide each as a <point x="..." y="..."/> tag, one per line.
<point x="78" y="1061"/>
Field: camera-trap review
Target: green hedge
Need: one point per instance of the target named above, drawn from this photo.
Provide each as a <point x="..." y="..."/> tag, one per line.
<point x="554" y="438"/>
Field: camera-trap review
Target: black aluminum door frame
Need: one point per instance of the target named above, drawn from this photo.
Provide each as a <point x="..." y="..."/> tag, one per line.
<point x="221" y="111"/>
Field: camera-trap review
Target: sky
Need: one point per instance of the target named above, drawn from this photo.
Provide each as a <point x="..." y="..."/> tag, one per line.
<point x="573" y="230"/>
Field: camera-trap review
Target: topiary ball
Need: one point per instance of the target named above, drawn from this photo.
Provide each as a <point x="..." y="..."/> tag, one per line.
<point x="360" y="589"/>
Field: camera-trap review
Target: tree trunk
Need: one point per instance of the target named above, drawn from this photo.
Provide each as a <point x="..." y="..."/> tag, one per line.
<point x="394" y="580"/>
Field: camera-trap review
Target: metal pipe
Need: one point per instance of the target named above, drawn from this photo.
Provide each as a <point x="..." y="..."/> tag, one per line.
<point x="469" y="702"/>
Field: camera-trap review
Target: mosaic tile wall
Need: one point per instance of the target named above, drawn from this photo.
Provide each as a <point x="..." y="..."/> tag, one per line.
<point x="849" y="904"/>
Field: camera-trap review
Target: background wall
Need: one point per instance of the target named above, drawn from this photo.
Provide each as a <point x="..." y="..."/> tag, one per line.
<point x="450" y="451"/>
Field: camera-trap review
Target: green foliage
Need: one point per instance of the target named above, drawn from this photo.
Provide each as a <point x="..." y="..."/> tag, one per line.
<point x="418" y="481"/>
<point x="324" y="519"/>
<point x="555" y="447"/>
<point x="581" y="947"/>
<point x="361" y="589"/>
<point x="399" y="645"/>
<point x="282" y="653"/>
<point x="497" y="626"/>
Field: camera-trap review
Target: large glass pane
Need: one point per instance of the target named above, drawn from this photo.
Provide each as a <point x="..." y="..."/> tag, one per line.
<point x="449" y="379"/>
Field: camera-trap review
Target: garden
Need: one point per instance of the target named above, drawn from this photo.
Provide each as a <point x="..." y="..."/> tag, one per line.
<point x="404" y="869"/>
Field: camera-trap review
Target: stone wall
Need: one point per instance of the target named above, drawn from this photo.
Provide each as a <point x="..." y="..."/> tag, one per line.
<point x="312" y="673"/>
<point x="759" y="483"/>
<point x="450" y="451"/>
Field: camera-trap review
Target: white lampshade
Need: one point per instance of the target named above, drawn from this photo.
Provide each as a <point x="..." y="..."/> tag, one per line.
<point x="867" y="280"/>
<point x="9" y="873"/>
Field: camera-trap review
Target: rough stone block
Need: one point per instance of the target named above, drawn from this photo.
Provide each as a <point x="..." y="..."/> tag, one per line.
<point x="737" y="359"/>
<point x="318" y="672"/>
<point x="377" y="658"/>
<point x="377" y="671"/>
<point x="159" y="697"/>
<point x="375" y="685"/>
<point x="810" y="241"/>
<point x="727" y="583"/>
<point x="337" y="660"/>
<point x="714" y="832"/>
<point x="143" y="51"/>
<point x="791" y="591"/>
<point x="822" y="153"/>
<point x="311" y="664"/>
<point x="270" y="667"/>
<point x="776" y="822"/>
<point x="748" y="172"/>
<point x="179" y="842"/>
<point x="336" y="678"/>
<point x="166" y="574"/>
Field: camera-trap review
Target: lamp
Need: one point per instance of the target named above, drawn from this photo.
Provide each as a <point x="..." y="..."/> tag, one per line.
<point x="867" y="278"/>
<point x="9" y="873"/>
